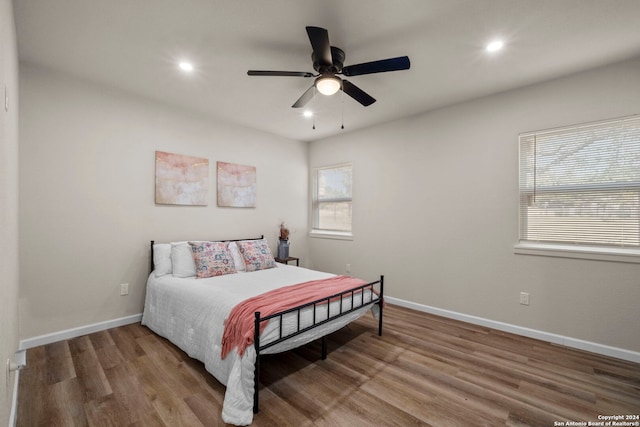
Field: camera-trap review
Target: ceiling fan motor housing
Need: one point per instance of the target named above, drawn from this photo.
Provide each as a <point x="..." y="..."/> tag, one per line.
<point x="337" y="57"/>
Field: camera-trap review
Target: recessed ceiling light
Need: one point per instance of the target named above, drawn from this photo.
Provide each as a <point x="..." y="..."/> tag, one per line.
<point x="186" y="66"/>
<point x="308" y="113"/>
<point x="495" y="46"/>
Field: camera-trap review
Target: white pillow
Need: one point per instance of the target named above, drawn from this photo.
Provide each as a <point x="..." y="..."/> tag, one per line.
<point x="162" y="259"/>
<point x="238" y="259"/>
<point x="182" y="260"/>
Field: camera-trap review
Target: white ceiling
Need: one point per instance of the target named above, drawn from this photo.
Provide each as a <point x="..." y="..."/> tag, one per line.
<point x="135" y="45"/>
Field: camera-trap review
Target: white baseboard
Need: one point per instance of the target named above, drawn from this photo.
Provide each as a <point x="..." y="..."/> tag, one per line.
<point x="14" y="402"/>
<point x="20" y="358"/>
<point x="606" y="350"/>
<point x="78" y="332"/>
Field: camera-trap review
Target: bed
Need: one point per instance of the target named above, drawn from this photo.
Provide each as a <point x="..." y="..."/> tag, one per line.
<point x="192" y="311"/>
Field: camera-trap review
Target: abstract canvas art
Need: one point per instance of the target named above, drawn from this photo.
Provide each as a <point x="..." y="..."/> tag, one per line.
<point x="236" y="185"/>
<point x="181" y="180"/>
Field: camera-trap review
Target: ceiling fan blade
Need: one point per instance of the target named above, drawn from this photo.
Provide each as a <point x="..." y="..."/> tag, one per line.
<point x="319" y="38"/>
<point x="381" y="66"/>
<point x="306" y="97"/>
<point x="356" y="93"/>
<point x="279" y="73"/>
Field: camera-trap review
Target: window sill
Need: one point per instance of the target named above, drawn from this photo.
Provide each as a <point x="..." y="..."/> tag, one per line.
<point x="325" y="234"/>
<point x="579" y="252"/>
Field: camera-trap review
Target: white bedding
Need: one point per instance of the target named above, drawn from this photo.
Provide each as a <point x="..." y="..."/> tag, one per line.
<point x="191" y="312"/>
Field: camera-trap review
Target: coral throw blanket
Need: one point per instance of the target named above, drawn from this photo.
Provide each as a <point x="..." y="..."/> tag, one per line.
<point x="239" y="326"/>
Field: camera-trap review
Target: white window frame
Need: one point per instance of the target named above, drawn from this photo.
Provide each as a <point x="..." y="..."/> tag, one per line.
<point x="574" y="250"/>
<point x="315" y="231"/>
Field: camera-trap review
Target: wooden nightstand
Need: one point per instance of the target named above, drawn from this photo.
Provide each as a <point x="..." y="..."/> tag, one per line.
<point x="286" y="260"/>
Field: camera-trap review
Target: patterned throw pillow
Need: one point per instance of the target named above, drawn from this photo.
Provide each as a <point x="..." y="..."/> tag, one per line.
<point x="256" y="254"/>
<point x="212" y="259"/>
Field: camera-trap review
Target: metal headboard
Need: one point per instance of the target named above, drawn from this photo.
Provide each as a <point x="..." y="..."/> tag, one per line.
<point x="227" y="240"/>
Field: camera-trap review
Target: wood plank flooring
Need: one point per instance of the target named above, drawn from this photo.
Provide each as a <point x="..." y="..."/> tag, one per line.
<point x="424" y="370"/>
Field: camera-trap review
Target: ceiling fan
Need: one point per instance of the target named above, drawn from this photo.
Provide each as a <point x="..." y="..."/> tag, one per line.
<point x="328" y="62"/>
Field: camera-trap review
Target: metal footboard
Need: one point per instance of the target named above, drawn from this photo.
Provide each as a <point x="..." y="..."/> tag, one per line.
<point x="354" y="293"/>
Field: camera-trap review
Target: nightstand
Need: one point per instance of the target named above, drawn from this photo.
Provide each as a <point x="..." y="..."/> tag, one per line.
<point x="287" y="259"/>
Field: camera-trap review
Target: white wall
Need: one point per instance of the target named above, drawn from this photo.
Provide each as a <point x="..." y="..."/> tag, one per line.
<point x="436" y="211"/>
<point x="8" y="204"/>
<point x="435" y="204"/>
<point x="87" y="208"/>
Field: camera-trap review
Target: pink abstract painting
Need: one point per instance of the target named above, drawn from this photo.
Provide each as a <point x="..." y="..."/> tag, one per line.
<point x="181" y="180"/>
<point x="236" y="185"/>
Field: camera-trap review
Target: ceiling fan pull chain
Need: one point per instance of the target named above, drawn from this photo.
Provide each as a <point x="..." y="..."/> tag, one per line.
<point x="314" y="109"/>
<point x="342" y="102"/>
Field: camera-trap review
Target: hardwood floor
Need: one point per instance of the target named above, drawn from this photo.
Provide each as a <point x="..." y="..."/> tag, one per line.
<point x="424" y="370"/>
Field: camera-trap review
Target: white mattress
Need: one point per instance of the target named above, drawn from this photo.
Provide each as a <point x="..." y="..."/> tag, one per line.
<point x="191" y="312"/>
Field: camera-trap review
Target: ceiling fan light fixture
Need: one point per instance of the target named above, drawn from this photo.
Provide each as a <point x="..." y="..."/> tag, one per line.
<point x="328" y="85"/>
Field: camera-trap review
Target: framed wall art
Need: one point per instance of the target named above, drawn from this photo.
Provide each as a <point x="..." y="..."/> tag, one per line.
<point x="236" y="185"/>
<point x="181" y="180"/>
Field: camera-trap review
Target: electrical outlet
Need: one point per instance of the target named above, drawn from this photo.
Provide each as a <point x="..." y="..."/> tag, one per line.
<point x="124" y="289"/>
<point x="20" y="357"/>
<point x="348" y="268"/>
<point x="524" y="298"/>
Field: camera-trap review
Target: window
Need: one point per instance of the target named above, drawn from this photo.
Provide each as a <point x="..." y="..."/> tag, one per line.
<point x="331" y="202"/>
<point x="580" y="188"/>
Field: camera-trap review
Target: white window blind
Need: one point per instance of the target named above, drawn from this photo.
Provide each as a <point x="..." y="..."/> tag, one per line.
<point x="580" y="185"/>
<point x="332" y="199"/>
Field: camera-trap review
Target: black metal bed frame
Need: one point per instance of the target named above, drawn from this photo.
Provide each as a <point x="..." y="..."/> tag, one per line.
<point x="376" y="298"/>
